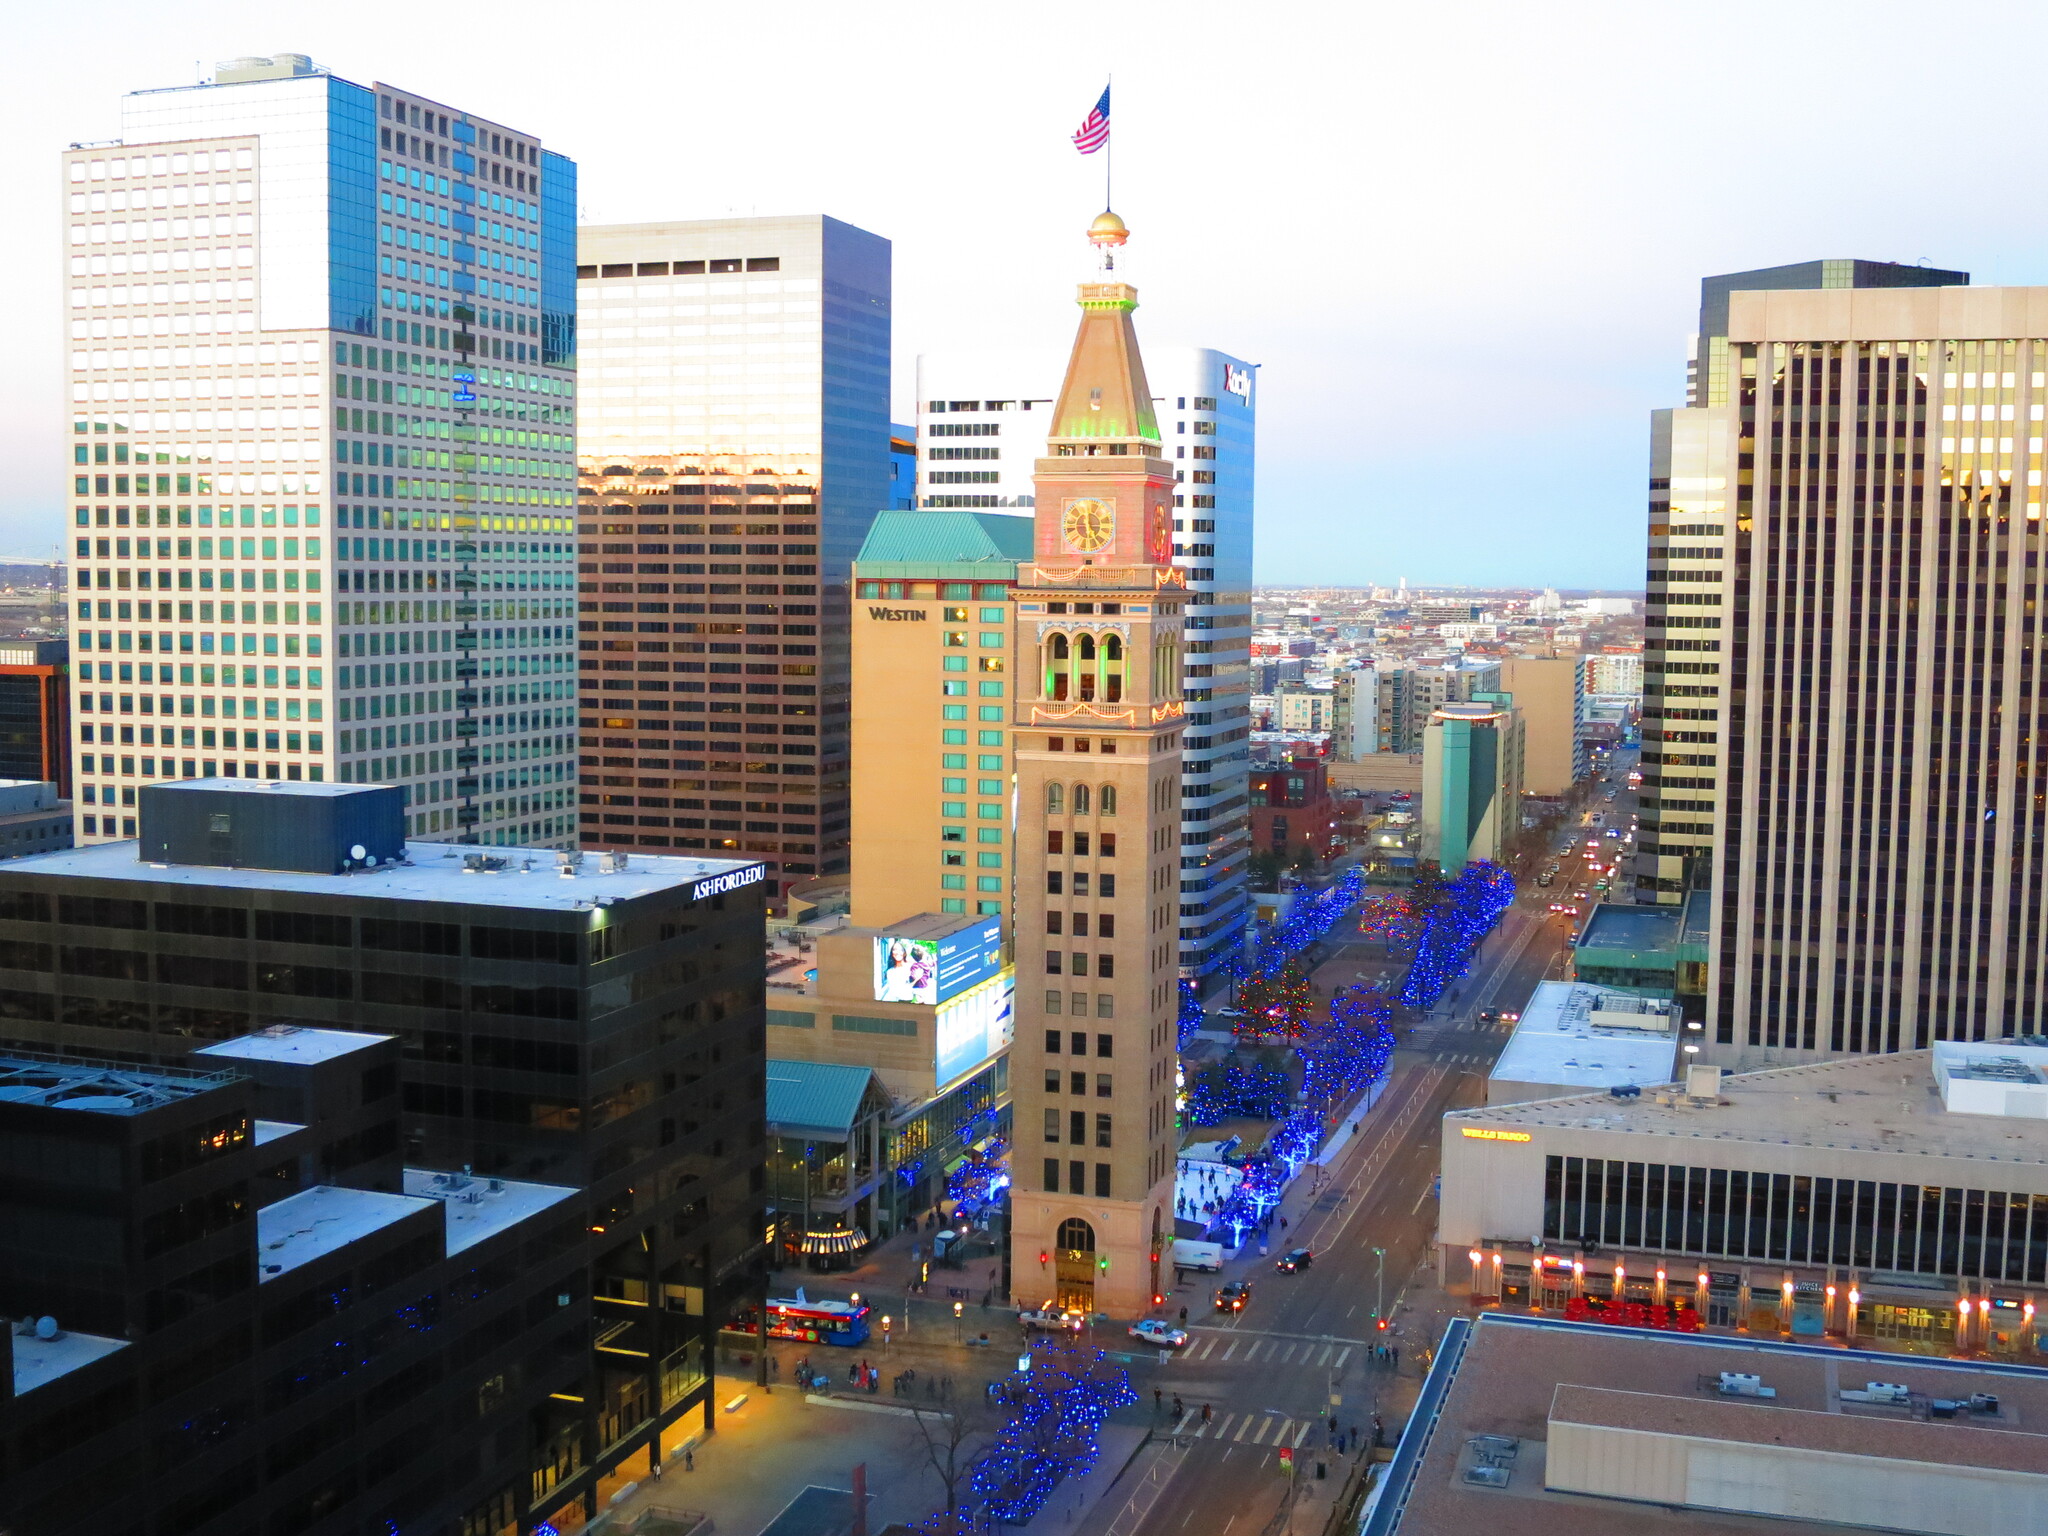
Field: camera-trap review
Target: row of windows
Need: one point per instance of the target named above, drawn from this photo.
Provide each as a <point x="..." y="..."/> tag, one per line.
<point x="1077" y="1127"/>
<point x="1864" y="1224"/>
<point x="1076" y="964"/>
<point x="1077" y="1178"/>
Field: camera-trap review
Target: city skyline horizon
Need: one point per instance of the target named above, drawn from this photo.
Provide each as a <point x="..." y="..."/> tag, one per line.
<point x="1563" y="350"/>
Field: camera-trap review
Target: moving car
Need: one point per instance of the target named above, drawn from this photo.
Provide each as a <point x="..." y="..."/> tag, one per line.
<point x="1234" y="1296"/>
<point x="1155" y="1331"/>
<point x="1050" y="1319"/>
<point x="1294" y="1259"/>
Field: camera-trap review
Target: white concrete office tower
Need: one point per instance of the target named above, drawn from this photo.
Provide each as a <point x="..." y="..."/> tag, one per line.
<point x="982" y="418"/>
<point x="322" y="350"/>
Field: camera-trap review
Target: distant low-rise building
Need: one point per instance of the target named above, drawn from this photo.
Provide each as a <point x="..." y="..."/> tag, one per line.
<point x="1292" y="808"/>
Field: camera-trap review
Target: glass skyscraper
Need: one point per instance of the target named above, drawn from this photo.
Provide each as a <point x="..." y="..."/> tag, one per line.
<point x="322" y="352"/>
<point x="735" y="448"/>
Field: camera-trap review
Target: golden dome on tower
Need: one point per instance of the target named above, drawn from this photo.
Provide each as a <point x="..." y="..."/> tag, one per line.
<point x="1107" y="229"/>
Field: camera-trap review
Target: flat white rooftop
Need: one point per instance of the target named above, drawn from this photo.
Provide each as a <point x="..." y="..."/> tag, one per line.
<point x="481" y="1208"/>
<point x="1560" y="1042"/>
<point x="317" y="1221"/>
<point x="525" y="878"/>
<point x="270" y="1130"/>
<point x="293" y="1042"/>
<point x="1858" y="1103"/>
<point x="38" y="1362"/>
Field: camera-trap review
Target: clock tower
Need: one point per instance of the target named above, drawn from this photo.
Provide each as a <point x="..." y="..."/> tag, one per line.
<point x="1097" y="747"/>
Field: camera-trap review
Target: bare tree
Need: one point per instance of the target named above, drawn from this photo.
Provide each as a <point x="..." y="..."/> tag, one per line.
<point x="954" y="1439"/>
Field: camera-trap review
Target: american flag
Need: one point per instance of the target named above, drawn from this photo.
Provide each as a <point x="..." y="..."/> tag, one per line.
<point x="1094" y="130"/>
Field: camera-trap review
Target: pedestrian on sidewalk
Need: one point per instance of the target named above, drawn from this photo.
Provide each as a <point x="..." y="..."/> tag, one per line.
<point x="1178" y="1412"/>
<point x="1157" y="1397"/>
<point x="1205" y="1413"/>
<point x="689" y="1461"/>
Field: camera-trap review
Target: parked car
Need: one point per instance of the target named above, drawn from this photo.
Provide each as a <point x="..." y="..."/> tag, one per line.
<point x="1234" y="1297"/>
<point x="1051" y="1319"/>
<point x="1154" y="1331"/>
<point x="1294" y="1259"/>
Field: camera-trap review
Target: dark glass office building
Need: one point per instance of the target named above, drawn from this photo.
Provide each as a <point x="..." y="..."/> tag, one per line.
<point x="588" y="1025"/>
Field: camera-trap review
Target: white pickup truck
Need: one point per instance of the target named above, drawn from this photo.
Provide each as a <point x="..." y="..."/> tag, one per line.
<point x="1051" y="1319"/>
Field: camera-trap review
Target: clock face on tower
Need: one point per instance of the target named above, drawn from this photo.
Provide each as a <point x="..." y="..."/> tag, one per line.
<point x="1162" y="535"/>
<point x="1087" y="524"/>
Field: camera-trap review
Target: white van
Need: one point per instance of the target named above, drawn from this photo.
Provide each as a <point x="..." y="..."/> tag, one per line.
<point x="1203" y="1256"/>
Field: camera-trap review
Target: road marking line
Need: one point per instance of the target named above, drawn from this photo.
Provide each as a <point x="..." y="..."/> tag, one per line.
<point x="1260" y="1437"/>
<point x="1338" y="1363"/>
<point x="1416" y="1208"/>
<point x="1325" y="1357"/>
<point x="1289" y="1355"/>
<point x="1300" y="1435"/>
<point x="1205" y="1350"/>
<point x="1232" y="1350"/>
<point x="1239" y="1436"/>
<point x="1185" y="1415"/>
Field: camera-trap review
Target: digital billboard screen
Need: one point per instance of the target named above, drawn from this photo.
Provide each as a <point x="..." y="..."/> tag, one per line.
<point x="974" y="1028"/>
<point x="906" y="970"/>
<point x="970" y="957"/>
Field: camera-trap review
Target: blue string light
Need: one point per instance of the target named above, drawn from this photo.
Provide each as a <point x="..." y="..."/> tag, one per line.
<point x="1456" y="916"/>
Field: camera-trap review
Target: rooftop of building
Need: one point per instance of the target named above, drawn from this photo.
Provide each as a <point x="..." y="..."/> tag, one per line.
<point x="292" y="1042"/>
<point x="1590" y="1038"/>
<point x="1862" y="1103"/>
<point x="812" y="1097"/>
<point x="38" y="1362"/>
<point x="943" y="543"/>
<point x="528" y="878"/>
<point x="315" y="1222"/>
<point x="479" y="1208"/>
<point x="1645" y="930"/>
<point x="61" y="1082"/>
<point x="1501" y="1385"/>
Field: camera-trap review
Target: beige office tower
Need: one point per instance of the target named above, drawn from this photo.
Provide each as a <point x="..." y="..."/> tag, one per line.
<point x="1549" y="696"/>
<point x="1098" y="723"/>
<point x="734" y="448"/>
<point x="322" y="381"/>
<point x="1884" y="790"/>
<point x="1685" y="641"/>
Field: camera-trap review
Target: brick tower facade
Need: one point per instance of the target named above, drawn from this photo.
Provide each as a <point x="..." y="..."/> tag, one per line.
<point x="1097" y="690"/>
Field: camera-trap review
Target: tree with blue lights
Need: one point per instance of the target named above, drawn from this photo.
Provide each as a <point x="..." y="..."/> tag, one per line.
<point x="1457" y="915"/>
<point x="1054" y="1431"/>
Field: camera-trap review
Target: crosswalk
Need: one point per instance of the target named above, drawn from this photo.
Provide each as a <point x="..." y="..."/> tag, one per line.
<point x="1238" y="1429"/>
<point x="1273" y="1351"/>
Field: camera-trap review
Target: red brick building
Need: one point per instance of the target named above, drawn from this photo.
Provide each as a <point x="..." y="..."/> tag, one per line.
<point x="1292" y="807"/>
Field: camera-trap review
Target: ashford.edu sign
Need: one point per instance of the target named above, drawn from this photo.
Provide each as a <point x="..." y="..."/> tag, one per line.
<point x="731" y="880"/>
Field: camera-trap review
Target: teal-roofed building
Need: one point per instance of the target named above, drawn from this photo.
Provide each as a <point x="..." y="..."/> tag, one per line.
<point x="1631" y="948"/>
<point x="932" y="633"/>
<point x="825" y="1159"/>
<point x="936" y="545"/>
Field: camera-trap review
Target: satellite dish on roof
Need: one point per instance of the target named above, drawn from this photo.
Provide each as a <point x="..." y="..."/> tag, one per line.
<point x="357" y="852"/>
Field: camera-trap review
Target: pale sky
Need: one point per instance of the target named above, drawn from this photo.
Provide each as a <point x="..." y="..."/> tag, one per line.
<point x="1463" y="240"/>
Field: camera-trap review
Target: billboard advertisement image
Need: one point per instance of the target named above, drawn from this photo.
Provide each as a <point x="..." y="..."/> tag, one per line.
<point x="973" y="1028"/>
<point x="906" y="970"/>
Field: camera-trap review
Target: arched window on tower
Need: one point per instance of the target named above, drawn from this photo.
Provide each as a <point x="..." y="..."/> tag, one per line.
<point x="1058" y="667"/>
<point x="1165" y="668"/>
<point x="1055" y="797"/>
<point x="1112" y="668"/>
<point x="1107" y="802"/>
<point x="1080" y="799"/>
<point x="1085" y="658"/>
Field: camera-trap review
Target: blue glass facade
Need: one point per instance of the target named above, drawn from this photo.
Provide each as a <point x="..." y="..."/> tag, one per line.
<point x="351" y="208"/>
<point x="558" y="260"/>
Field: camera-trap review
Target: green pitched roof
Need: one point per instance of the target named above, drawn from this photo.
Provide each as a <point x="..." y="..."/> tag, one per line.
<point x="935" y="543"/>
<point x="814" y="1098"/>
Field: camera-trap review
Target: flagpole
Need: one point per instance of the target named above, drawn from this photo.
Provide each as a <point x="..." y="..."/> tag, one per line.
<point x="1109" y="149"/>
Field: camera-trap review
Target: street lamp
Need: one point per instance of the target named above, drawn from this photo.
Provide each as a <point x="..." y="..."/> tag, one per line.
<point x="957" y="1306"/>
<point x="1379" y="1264"/>
<point x="887" y="1323"/>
